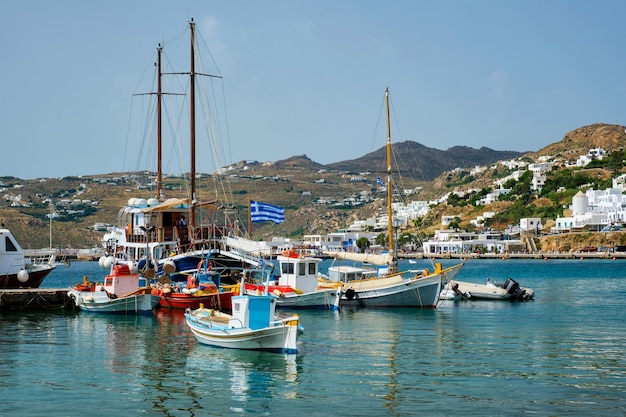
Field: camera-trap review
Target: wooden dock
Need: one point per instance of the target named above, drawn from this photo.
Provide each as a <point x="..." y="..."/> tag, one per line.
<point x="35" y="299"/>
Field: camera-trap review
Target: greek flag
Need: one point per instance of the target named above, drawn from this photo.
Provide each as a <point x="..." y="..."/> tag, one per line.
<point x="260" y="212"/>
<point x="380" y="182"/>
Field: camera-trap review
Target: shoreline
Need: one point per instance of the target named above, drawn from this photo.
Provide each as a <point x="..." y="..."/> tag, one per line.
<point x="504" y="256"/>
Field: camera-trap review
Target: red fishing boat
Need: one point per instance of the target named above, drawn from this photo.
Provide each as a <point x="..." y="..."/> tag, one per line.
<point x="199" y="289"/>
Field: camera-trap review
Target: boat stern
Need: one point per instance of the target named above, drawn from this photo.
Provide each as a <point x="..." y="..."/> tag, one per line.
<point x="294" y="329"/>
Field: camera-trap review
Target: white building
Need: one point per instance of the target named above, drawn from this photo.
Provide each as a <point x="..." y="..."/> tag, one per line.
<point x="514" y="164"/>
<point x="448" y="241"/>
<point x="594" y="210"/>
<point x="493" y="196"/>
<point x="539" y="171"/>
<point x="530" y="224"/>
<point x="593" y="154"/>
<point x="446" y="220"/>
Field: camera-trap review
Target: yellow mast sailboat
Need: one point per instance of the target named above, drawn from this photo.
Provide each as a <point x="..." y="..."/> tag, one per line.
<point x="395" y="288"/>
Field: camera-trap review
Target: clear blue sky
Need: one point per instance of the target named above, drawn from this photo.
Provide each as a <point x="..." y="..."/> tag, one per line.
<point x="308" y="77"/>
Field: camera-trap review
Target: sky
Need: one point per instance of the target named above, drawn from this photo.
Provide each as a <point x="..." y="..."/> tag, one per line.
<point x="307" y="77"/>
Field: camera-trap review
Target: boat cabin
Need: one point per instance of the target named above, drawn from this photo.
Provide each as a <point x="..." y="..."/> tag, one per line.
<point x="121" y="281"/>
<point x="350" y="273"/>
<point x="298" y="272"/>
<point x="254" y="312"/>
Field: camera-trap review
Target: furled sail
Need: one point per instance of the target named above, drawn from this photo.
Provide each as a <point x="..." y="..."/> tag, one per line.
<point x="372" y="258"/>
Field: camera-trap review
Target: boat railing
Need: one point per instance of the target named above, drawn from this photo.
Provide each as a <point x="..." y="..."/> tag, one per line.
<point x="41" y="260"/>
<point x="137" y="236"/>
<point x="206" y="237"/>
<point x="246" y="249"/>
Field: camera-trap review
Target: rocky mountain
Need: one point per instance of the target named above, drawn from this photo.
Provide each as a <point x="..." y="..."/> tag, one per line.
<point x="422" y="163"/>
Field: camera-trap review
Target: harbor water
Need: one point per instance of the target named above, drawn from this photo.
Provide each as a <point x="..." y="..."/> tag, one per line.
<point x="561" y="354"/>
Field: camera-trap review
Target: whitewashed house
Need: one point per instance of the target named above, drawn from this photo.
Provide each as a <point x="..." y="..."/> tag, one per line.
<point x="594" y="210"/>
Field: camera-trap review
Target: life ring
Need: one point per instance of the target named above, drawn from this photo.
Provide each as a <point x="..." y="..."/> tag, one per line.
<point x="209" y="266"/>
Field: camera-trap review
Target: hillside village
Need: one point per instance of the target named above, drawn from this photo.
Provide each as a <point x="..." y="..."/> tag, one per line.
<point x="593" y="210"/>
<point x="572" y="186"/>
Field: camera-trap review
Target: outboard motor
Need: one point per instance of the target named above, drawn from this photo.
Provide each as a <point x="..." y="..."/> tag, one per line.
<point x="512" y="287"/>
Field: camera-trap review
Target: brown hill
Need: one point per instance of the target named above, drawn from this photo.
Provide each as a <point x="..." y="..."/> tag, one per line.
<point x="295" y="183"/>
<point x="578" y="141"/>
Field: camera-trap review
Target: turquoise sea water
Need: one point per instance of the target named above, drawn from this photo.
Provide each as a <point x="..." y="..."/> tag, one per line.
<point x="562" y="354"/>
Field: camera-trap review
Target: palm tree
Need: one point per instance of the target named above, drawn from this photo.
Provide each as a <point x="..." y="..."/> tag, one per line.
<point x="363" y="243"/>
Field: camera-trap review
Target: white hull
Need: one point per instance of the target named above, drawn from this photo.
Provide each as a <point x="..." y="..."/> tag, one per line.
<point x="422" y="293"/>
<point x="280" y="336"/>
<point x="486" y="291"/>
<point x="324" y="299"/>
<point x="99" y="302"/>
<point x="449" y="294"/>
<point x="395" y="291"/>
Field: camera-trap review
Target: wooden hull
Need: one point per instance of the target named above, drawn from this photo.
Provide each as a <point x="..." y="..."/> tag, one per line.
<point x="395" y="291"/>
<point x="99" y="302"/>
<point x="280" y="336"/>
<point x="423" y="293"/>
<point x="217" y="301"/>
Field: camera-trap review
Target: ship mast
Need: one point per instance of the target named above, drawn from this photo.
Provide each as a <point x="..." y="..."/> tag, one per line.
<point x="392" y="252"/>
<point x="192" y="128"/>
<point x="159" y="180"/>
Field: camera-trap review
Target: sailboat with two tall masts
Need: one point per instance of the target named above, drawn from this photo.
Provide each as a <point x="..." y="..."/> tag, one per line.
<point x="176" y="238"/>
<point x="394" y="288"/>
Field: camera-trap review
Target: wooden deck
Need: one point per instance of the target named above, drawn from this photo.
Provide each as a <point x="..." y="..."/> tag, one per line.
<point x="35" y="299"/>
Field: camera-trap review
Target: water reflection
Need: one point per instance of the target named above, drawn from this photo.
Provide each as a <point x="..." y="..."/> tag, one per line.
<point x="254" y="379"/>
<point x="559" y="353"/>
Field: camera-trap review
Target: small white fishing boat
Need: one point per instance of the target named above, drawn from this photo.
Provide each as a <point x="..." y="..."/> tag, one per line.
<point x="508" y="290"/>
<point x="121" y="292"/>
<point x="251" y="326"/>
<point x="299" y="275"/>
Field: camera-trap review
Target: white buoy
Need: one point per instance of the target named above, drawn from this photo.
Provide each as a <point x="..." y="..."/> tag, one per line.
<point x="22" y="276"/>
<point x="132" y="266"/>
<point x="108" y="262"/>
<point x="101" y="261"/>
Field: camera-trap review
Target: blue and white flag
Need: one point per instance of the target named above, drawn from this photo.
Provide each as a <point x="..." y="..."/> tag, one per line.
<point x="260" y="212"/>
<point x="380" y="182"/>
